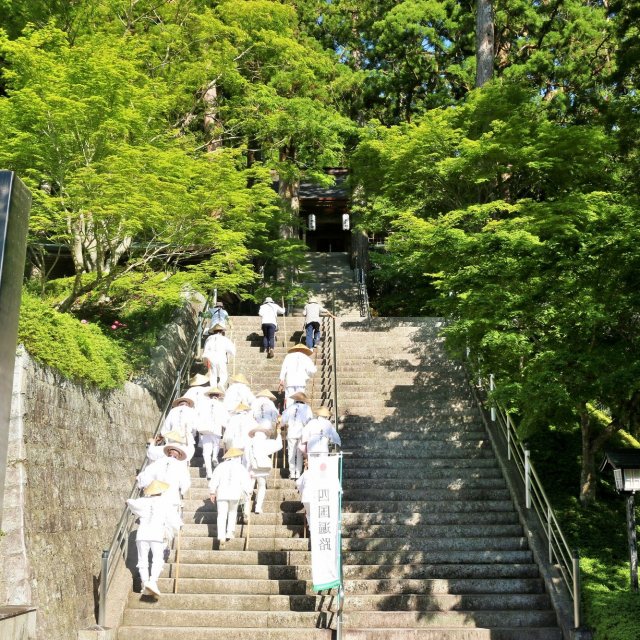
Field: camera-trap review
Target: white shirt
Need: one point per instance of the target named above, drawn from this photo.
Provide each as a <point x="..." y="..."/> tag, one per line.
<point x="197" y="395"/>
<point x="260" y="448"/>
<point x="296" y="417"/>
<point x="230" y="480"/>
<point x="318" y="433"/>
<point x="183" y="420"/>
<point x="218" y="316"/>
<point x="312" y="311"/>
<point x="170" y="470"/>
<point x="213" y="416"/>
<point x="217" y="347"/>
<point x="265" y="412"/>
<point x="159" y="519"/>
<point x="236" y="435"/>
<point x="296" y="369"/>
<point x="269" y="313"/>
<point x="236" y="393"/>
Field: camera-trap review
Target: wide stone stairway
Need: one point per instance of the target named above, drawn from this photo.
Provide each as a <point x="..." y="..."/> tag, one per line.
<point x="433" y="548"/>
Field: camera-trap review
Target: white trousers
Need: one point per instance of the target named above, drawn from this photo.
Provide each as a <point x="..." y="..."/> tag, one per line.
<point x="210" y="449"/>
<point x="289" y="391"/>
<point x="227" y="516"/>
<point x="157" y="559"/>
<point x="218" y="373"/>
<point x="261" y="481"/>
<point x="296" y="457"/>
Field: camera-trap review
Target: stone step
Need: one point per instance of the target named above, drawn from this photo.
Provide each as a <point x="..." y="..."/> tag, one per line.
<point x="463" y="493"/>
<point x="429" y="544"/>
<point x="225" y="619"/>
<point x="494" y="633"/>
<point x="430" y="474"/>
<point x="427" y="484"/>
<point x="256" y="543"/>
<point x="257" y="530"/>
<point x="379" y="602"/>
<point x="430" y="531"/>
<point x="213" y="633"/>
<point x="461" y="556"/>
<point x="475" y="518"/>
<point x="208" y="516"/>
<point x="446" y="462"/>
<point x="409" y="436"/>
<point x="354" y="586"/>
<point x="453" y="587"/>
<point x="465" y="619"/>
<point x="437" y="571"/>
<point x="321" y="619"/>
<point x="424" y="506"/>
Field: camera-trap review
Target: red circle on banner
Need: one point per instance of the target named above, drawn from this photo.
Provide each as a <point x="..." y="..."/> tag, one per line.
<point x="323" y="467"/>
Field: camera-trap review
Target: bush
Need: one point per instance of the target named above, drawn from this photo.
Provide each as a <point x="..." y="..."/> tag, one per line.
<point x="79" y="351"/>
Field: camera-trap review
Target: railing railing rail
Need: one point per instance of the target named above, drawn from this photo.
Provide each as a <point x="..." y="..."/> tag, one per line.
<point x="559" y="553"/>
<point x="119" y="547"/>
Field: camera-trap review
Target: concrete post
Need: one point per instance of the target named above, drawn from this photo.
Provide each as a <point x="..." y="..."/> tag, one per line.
<point x="15" y="204"/>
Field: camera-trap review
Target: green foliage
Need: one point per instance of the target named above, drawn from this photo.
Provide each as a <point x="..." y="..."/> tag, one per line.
<point x="599" y="531"/>
<point x="79" y="351"/>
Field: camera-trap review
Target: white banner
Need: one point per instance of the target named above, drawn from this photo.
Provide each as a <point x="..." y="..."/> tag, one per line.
<point x="322" y="494"/>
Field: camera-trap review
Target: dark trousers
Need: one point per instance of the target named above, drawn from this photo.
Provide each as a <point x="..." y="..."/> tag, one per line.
<point x="268" y="336"/>
<point x="312" y="334"/>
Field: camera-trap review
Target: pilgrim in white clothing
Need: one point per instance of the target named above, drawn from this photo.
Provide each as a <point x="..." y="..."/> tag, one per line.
<point x="159" y="522"/>
<point x="198" y="386"/>
<point x="269" y="312"/>
<point x="261" y="448"/>
<point x="264" y="410"/>
<point x="236" y="435"/>
<point x="238" y="392"/>
<point x="295" y="417"/>
<point x="229" y="484"/>
<point x="212" y="420"/>
<point x="172" y="469"/>
<point x="318" y="433"/>
<point x="296" y="369"/>
<point x="216" y="352"/>
<point x="182" y="419"/>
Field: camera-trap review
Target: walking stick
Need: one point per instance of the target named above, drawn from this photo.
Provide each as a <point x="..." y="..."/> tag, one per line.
<point x="284" y="323"/>
<point x="246" y="544"/>
<point x="175" y="580"/>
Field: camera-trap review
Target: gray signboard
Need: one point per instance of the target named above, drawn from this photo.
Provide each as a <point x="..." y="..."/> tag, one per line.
<point x="15" y="204"/>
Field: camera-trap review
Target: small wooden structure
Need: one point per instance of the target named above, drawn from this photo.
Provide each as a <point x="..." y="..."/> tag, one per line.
<point x="626" y="473"/>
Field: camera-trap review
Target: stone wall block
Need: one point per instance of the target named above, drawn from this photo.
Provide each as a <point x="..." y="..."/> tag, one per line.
<point x="74" y="456"/>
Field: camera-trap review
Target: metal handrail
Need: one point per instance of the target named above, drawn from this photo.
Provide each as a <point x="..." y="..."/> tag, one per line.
<point x="559" y="552"/>
<point x="120" y="542"/>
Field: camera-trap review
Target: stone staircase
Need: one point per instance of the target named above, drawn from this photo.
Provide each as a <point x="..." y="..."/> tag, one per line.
<point x="260" y="593"/>
<point x="433" y="544"/>
<point x="433" y="548"/>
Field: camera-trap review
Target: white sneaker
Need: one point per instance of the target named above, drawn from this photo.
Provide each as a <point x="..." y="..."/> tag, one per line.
<point x="153" y="588"/>
<point x="258" y="510"/>
<point x="231" y="536"/>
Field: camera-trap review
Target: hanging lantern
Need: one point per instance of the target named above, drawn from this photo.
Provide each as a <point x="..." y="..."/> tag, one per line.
<point x="346" y="225"/>
<point x="312" y="222"/>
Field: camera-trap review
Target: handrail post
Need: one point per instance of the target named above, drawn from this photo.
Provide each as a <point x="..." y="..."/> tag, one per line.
<point x="549" y="534"/>
<point x="104" y="575"/>
<point x="492" y="386"/>
<point x="576" y="588"/>
<point x="527" y="479"/>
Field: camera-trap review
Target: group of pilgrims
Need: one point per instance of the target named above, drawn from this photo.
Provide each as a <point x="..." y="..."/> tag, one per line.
<point x="238" y="432"/>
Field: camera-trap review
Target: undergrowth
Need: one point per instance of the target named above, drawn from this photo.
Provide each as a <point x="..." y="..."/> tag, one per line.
<point x="599" y="532"/>
<point x="81" y="352"/>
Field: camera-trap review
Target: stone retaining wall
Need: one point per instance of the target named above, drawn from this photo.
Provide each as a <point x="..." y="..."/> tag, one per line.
<point x="73" y="456"/>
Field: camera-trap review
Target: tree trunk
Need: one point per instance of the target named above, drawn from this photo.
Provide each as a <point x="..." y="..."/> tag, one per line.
<point x="484" y="42"/>
<point x="289" y="191"/>
<point x="211" y="124"/>
<point x="588" y="465"/>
